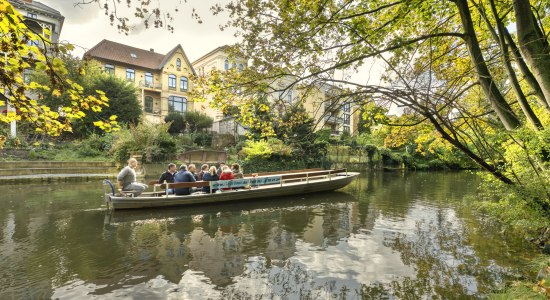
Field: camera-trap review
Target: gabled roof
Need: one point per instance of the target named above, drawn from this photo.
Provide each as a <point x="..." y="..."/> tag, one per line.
<point x="128" y="55"/>
<point x="221" y="48"/>
<point x="169" y="55"/>
<point x="120" y="53"/>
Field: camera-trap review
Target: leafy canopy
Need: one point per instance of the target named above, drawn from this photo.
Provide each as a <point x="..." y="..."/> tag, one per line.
<point x="19" y="55"/>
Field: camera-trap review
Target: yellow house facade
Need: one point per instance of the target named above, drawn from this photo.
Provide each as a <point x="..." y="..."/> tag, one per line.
<point x="163" y="80"/>
<point x="337" y="116"/>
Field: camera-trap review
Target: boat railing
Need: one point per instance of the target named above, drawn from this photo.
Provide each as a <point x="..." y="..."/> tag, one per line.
<point x="253" y="181"/>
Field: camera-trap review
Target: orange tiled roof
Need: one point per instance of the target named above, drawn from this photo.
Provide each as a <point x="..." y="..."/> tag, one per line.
<point x="124" y="54"/>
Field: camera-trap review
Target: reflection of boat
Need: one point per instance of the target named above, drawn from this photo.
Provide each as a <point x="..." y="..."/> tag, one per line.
<point x="251" y="188"/>
<point x="266" y="206"/>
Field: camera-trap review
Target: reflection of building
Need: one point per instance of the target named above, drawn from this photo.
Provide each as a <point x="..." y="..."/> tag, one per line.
<point x="162" y="79"/>
<point x="320" y="102"/>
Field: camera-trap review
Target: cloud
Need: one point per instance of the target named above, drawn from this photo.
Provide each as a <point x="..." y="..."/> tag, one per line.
<point x="75" y="14"/>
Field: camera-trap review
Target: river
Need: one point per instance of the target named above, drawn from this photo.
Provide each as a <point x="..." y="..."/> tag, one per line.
<point x="385" y="236"/>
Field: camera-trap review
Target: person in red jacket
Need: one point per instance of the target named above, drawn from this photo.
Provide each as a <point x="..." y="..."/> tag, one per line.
<point x="226" y="175"/>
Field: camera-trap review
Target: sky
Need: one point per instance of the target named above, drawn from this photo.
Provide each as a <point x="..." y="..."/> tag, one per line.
<point x="87" y="25"/>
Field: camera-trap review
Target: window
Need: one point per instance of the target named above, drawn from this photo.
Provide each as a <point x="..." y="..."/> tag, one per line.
<point x="133" y="55"/>
<point x="172" y="81"/>
<point x="347" y="107"/>
<point x="148" y="105"/>
<point x="109" y="69"/>
<point x="285" y="96"/>
<point x="226" y="65"/>
<point x="241" y="67"/>
<point x="177" y="104"/>
<point x="234" y="66"/>
<point x="148" y="79"/>
<point x="33" y="43"/>
<point x="183" y="84"/>
<point x="130" y="74"/>
<point x="27" y="75"/>
<point x="346" y="119"/>
<point x="346" y="129"/>
<point x="178" y="64"/>
<point x="32" y="16"/>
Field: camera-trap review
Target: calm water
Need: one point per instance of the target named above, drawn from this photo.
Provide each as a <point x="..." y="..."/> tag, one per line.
<point x="386" y="236"/>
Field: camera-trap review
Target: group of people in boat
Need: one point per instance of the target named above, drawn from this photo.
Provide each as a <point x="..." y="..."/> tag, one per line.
<point x="187" y="173"/>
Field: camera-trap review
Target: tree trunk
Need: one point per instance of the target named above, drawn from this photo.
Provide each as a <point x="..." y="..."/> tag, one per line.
<point x="533" y="46"/>
<point x="527" y="74"/>
<point x="499" y="104"/>
<point x="522" y="100"/>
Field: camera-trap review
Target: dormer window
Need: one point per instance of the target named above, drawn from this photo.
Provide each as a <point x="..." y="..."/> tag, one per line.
<point x="178" y="64"/>
<point x="133" y="55"/>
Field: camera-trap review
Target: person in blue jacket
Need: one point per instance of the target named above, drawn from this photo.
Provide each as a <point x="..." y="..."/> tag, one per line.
<point x="183" y="175"/>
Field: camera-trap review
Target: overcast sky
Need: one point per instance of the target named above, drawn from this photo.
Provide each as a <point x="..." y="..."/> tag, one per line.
<point x="87" y="25"/>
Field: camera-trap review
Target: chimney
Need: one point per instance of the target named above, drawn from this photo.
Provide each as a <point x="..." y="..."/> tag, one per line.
<point x="28" y="1"/>
<point x="150" y="49"/>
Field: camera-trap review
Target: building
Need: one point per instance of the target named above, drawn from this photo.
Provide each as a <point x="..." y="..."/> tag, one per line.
<point x="218" y="59"/>
<point x="163" y="80"/>
<point x="39" y="17"/>
<point x="320" y="102"/>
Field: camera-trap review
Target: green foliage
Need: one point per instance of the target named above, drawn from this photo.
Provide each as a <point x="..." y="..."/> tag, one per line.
<point x="123" y="103"/>
<point x="95" y="145"/>
<point x="152" y="141"/>
<point x="197" y="121"/>
<point x="265" y="149"/>
<point x="177" y="122"/>
<point x="533" y="289"/>
<point x="390" y="158"/>
<point x="263" y="165"/>
<point x="202" y="139"/>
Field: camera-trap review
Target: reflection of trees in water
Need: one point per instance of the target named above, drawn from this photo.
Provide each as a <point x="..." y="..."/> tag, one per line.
<point x="446" y="265"/>
<point x="292" y="280"/>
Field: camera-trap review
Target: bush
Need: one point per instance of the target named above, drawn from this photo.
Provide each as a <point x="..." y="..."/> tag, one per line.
<point x="390" y="159"/>
<point x="176" y="121"/>
<point x="151" y="140"/>
<point x="203" y="139"/>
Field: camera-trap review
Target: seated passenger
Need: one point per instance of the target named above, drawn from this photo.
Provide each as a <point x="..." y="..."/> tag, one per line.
<point x="204" y="170"/>
<point x="211" y="175"/>
<point x="168" y="176"/>
<point x="193" y="170"/>
<point x="183" y="176"/>
<point x="237" y="172"/>
<point x="226" y="175"/>
<point x="127" y="179"/>
<point x="220" y="169"/>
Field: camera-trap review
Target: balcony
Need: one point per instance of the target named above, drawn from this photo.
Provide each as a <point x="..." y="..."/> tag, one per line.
<point x="333" y="120"/>
<point x="150" y="85"/>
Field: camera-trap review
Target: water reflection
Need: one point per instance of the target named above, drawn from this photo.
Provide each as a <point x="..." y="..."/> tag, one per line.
<point x="388" y="235"/>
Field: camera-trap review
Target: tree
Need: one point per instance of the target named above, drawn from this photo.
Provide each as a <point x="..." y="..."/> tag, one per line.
<point x="439" y="64"/>
<point x="19" y="56"/>
<point x="177" y="122"/>
<point x="197" y="121"/>
<point x="124" y="104"/>
<point x="445" y="62"/>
